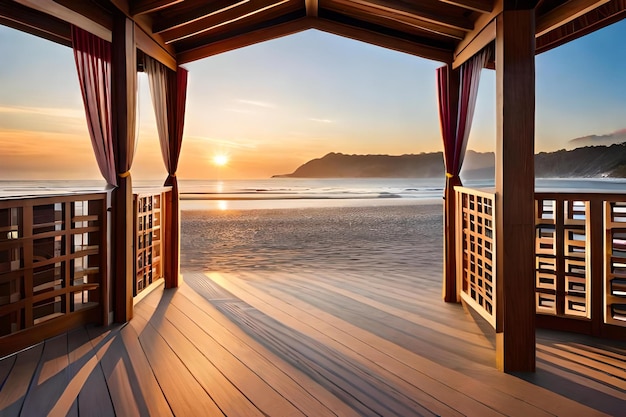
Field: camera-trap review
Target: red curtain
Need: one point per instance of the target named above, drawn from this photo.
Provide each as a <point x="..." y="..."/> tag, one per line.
<point x="457" y="100"/>
<point x="456" y="122"/>
<point x="176" y="99"/>
<point x="93" y="63"/>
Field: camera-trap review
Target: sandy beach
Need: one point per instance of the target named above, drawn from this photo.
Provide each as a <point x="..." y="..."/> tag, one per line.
<point x="399" y="239"/>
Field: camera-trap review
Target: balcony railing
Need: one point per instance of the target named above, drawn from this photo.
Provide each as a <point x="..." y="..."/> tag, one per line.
<point x="149" y="236"/>
<point x="476" y="244"/>
<point x="580" y="251"/>
<point x="52" y="266"/>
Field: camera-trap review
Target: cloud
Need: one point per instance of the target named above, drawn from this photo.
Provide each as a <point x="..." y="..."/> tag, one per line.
<point x="221" y="142"/>
<point x="44" y="111"/>
<point x="242" y="111"/>
<point x="313" y="119"/>
<point x="618" y="136"/>
<point x="256" y="103"/>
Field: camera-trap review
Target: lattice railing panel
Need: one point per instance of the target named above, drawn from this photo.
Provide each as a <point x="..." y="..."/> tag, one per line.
<point x="477" y="265"/>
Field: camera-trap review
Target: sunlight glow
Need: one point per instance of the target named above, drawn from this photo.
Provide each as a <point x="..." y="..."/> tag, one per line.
<point x="220" y="160"/>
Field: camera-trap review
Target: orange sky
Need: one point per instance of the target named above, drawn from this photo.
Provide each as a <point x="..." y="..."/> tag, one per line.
<point x="273" y="106"/>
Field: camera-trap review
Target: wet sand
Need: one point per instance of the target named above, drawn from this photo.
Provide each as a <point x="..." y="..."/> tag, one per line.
<point x="398" y="239"/>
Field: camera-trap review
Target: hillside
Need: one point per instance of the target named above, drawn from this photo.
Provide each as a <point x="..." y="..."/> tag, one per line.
<point x="586" y="162"/>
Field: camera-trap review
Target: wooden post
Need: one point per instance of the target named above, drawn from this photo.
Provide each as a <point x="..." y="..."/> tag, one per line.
<point x="123" y="86"/>
<point x="596" y="234"/>
<point x="515" y="228"/>
<point x="172" y="239"/>
<point x="450" y="290"/>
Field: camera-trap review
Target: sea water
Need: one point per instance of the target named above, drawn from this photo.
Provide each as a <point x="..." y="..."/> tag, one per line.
<point x="303" y="192"/>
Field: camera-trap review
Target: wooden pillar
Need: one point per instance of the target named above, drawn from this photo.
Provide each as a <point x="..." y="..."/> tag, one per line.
<point x="450" y="290"/>
<point x="172" y="238"/>
<point x="123" y="86"/>
<point x="515" y="228"/>
<point x="596" y="232"/>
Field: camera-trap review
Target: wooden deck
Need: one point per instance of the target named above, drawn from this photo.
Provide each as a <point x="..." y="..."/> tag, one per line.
<point x="314" y="344"/>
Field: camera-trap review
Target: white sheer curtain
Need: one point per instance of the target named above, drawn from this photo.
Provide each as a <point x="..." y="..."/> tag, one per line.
<point x="157" y="79"/>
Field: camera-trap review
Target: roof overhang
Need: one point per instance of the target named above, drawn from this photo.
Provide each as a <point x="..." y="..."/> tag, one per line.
<point x="180" y="31"/>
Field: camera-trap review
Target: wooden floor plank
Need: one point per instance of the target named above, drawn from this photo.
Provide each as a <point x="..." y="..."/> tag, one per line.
<point x="185" y="396"/>
<point x="491" y="396"/>
<point x="612" y="384"/>
<point x="123" y="387"/>
<point x="93" y="397"/>
<point x="50" y="379"/>
<point x="602" y="363"/>
<point x="226" y="396"/>
<point x="151" y="392"/>
<point x="443" y="328"/>
<point x="314" y="343"/>
<point x="6" y="365"/>
<point x="291" y="383"/>
<point x="17" y="383"/>
<point x="318" y="324"/>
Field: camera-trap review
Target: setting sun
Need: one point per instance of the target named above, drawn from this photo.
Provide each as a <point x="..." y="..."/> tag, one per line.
<point x="220" y="160"/>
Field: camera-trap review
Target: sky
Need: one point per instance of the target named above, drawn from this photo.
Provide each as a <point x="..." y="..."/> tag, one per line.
<point x="271" y="107"/>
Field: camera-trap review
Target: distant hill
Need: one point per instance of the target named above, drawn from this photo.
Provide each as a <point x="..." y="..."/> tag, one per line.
<point x="613" y="138"/>
<point x="587" y="162"/>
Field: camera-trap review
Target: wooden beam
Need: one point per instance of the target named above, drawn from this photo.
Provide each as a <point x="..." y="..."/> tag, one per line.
<point x="149" y="6"/>
<point x="481" y="23"/>
<point x="597" y="233"/>
<point x="35" y="22"/>
<point x="484" y="38"/>
<point x="246" y="39"/>
<point x="312" y="7"/>
<point x="481" y="6"/>
<point x="151" y="47"/>
<point x="566" y="13"/>
<point x="381" y="40"/>
<point x="68" y="15"/>
<point x="515" y="183"/>
<point x="352" y="8"/>
<point x="123" y="104"/>
<point x="599" y="18"/>
<point x="208" y="9"/>
<point x="207" y="23"/>
<point x="415" y="10"/>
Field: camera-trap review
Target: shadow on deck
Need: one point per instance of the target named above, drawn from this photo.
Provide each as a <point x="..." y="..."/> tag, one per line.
<point x="315" y="344"/>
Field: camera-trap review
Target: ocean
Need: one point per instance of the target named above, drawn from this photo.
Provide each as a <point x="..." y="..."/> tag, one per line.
<point x="303" y="192"/>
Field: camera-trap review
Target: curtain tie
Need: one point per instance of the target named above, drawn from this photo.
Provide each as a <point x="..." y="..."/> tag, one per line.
<point x="124" y="174"/>
<point x="448" y="175"/>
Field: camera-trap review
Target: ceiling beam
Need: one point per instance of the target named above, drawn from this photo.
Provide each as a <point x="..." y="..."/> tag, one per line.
<point x="34" y="22"/>
<point x="596" y="19"/>
<point x="210" y="22"/>
<point x="481" y="6"/>
<point x="68" y="15"/>
<point x="484" y="38"/>
<point x="149" y="6"/>
<point x="385" y="41"/>
<point x="151" y="47"/>
<point x="481" y="23"/>
<point x="246" y="39"/>
<point x="349" y="6"/>
<point x="312" y="6"/>
<point x="566" y="13"/>
<point x="202" y="11"/>
<point x="416" y="11"/>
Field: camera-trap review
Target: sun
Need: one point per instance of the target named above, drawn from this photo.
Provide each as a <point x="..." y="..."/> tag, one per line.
<point x="220" y="160"/>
